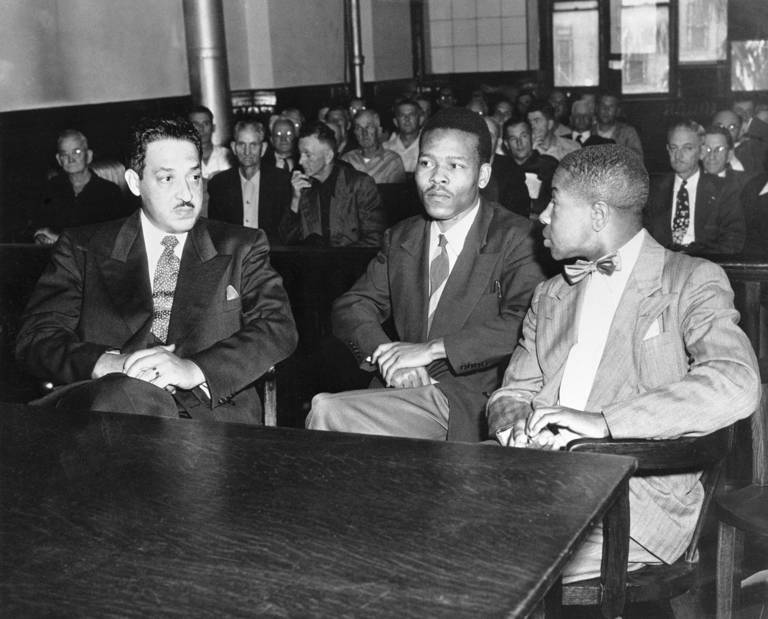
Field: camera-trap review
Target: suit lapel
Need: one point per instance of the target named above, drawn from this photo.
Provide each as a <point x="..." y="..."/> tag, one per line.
<point x="125" y="275"/>
<point x="200" y="274"/>
<point x="557" y="325"/>
<point x="414" y="280"/>
<point x="705" y="206"/>
<point x="469" y="277"/>
<point x="639" y="307"/>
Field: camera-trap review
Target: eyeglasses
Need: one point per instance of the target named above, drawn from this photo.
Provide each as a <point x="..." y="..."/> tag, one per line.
<point x="72" y="154"/>
<point x="731" y="127"/>
<point x="283" y="134"/>
<point x="717" y="150"/>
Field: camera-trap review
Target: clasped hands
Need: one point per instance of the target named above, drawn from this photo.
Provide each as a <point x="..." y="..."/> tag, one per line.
<point x="553" y="427"/>
<point x="157" y="365"/>
<point x="404" y="365"/>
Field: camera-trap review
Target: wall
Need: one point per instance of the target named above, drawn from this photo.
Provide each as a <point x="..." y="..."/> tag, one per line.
<point x="65" y="52"/>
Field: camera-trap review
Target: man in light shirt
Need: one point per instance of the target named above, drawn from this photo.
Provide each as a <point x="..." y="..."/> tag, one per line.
<point x="405" y="141"/>
<point x="631" y="341"/>
<point x="455" y="282"/>
<point x="541" y="119"/>
<point x="162" y="313"/>
<point x="251" y="195"/>
<point x="382" y="165"/>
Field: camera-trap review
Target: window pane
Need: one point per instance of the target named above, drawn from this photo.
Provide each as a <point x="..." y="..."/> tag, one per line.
<point x="575" y="43"/>
<point x="703" y="30"/>
<point x="644" y="46"/>
<point x="749" y="60"/>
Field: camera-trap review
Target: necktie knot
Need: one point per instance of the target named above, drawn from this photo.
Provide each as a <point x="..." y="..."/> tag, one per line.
<point x="609" y="263"/>
<point x="169" y="242"/>
<point x="442" y="241"/>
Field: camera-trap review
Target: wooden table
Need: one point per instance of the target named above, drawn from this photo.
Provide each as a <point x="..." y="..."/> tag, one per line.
<point x="116" y="515"/>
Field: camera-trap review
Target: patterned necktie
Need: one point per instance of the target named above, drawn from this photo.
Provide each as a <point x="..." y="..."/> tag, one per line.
<point x="682" y="215"/>
<point x="609" y="263"/>
<point x="580" y="138"/>
<point x="438" y="272"/>
<point x="163" y="287"/>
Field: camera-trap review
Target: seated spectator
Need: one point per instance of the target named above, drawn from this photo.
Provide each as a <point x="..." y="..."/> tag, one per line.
<point x="582" y="122"/>
<point x="716" y="152"/>
<point x="755" y="202"/>
<point x="541" y="118"/>
<point x="690" y="211"/>
<point x="751" y="148"/>
<point x="339" y="116"/>
<point x="295" y="115"/>
<point x="507" y="183"/>
<point x="476" y="259"/>
<point x="77" y="196"/>
<point x="332" y="204"/>
<point x="251" y="195"/>
<point x="502" y="112"/>
<point x="523" y="102"/>
<point x="559" y="103"/>
<point x="356" y="105"/>
<point x="384" y="166"/>
<point x="282" y="151"/>
<point x="405" y="141"/>
<point x="608" y="125"/>
<point x="446" y="97"/>
<point x="537" y="168"/>
<point x="638" y="343"/>
<point x="425" y="105"/>
<point x="215" y="158"/>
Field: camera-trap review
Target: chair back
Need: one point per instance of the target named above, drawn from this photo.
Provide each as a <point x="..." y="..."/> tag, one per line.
<point x="759" y="424"/>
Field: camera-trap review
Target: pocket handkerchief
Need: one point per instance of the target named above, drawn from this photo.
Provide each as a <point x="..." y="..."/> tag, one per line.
<point x="653" y="330"/>
<point x="231" y="293"/>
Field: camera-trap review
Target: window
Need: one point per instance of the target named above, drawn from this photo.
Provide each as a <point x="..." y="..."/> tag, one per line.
<point x="644" y="44"/>
<point x="575" y="43"/>
<point x="703" y="31"/>
<point x="467" y="36"/>
<point x="749" y="60"/>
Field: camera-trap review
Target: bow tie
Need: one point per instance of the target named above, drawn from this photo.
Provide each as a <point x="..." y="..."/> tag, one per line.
<point x="609" y="263"/>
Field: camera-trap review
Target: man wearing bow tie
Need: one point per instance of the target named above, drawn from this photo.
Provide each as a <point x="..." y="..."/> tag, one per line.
<point x="632" y="341"/>
<point x="162" y="313"/>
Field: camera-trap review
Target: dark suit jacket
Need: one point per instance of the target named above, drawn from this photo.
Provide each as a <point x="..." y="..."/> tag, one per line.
<point x="479" y="314"/>
<point x="718" y="223"/>
<point x="226" y="198"/>
<point x="752" y="150"/>
<point x="356" y="215"/>
<point x="507" y="186"/>
<point x="95" y="295"/>
<point x="269" y="159"/>
<point x="756" y="214"/>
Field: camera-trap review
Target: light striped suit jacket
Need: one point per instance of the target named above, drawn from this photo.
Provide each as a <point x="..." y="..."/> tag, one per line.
<point x="695" y="374"/>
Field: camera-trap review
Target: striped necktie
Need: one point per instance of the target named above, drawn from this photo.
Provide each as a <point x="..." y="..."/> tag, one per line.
<point x="163" y="287"/>
<point x="438" y="272"/>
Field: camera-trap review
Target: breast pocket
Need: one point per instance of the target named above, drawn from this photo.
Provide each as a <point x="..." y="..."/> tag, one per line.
<point x="662" y="360"/>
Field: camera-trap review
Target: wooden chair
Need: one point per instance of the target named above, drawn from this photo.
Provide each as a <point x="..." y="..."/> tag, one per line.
<point x="651" y="583"/>
<point x="742" y="512"/>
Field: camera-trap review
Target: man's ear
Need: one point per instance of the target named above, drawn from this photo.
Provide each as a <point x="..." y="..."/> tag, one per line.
<point x="263" y="148"/>
<point x="133" y="181"/>
<point x="59" y="160"/>
<point x="600" y="213"/>
<point x="485" y="175"/>
<point x="88" y="157"/>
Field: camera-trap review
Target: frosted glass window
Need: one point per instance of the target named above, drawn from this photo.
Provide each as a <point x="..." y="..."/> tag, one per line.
<point x="644" y="46"/>
<point x="749" y="60"/>
<point x="703" y="30"/>
<point x="575" y="30"/>
<point x="477" y="35"/>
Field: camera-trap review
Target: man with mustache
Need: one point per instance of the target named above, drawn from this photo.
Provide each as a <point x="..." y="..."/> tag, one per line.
<point x="161" y="313"/>
<point x="455" y="283"/>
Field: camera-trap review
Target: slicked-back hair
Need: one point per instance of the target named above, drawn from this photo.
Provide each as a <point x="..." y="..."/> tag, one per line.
<point x="250" y="121"/>
<point x="150" y="130"/>
<point x="513" y="122"/>
<point x="685" y="123"/>
<point x="718" y="130"/>
<point x="200" y="109"/>
<point x="72" y="133"/>
<point x="611" y="173"/>
<point x="545" y="107"/>
<point x="401" y="102"/>
<point x="318" y="129"/>
<point x="461" y="119"/>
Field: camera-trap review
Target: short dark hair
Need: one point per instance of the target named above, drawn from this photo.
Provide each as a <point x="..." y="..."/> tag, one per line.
<point x="149" y="130"/>
<point x="406" y="101"/>
<point x="609" y="173"/>
<point x="318" y="129"/>
<point x="200" y="109"/>
<point x="545" y="107"/>
<point x="461" y="119"/>
<point x="514" y="121"/>
<point x="718" y="130"/>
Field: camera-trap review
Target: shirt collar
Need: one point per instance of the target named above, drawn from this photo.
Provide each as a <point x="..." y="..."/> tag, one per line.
<point x="153" y="235"/>
<point x="457" y="234"/>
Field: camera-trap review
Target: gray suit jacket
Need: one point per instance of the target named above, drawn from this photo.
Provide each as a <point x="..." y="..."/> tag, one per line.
<point x="698" y="374"/>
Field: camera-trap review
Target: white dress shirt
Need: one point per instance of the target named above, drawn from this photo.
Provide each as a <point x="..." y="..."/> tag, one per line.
<point x="153" y="238"/>
<point x="250" y="187"/>
<point x="595" y="315"/>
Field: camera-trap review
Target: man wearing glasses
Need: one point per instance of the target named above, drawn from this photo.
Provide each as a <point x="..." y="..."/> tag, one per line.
<point x="76" y="196"/>
<point x="690" y="211"/>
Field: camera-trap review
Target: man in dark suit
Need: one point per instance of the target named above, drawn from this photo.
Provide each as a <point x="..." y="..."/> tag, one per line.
<point x="691" y="211"/>
<point x="456" y="284"/>
<point x="250" y="195"/>
<point x="161" y="313"/>
<point x="582" y="121"/>
<point x="281" y="152"/>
